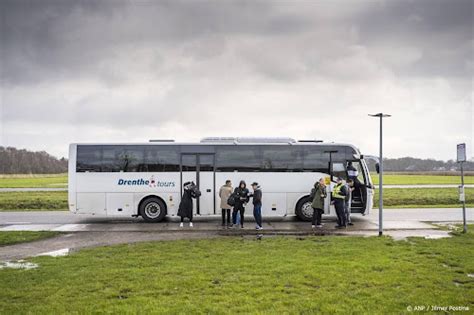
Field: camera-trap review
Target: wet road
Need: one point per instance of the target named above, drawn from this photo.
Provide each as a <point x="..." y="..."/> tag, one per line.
<point x="89" y="231"/>
<point x="68" y="222"/>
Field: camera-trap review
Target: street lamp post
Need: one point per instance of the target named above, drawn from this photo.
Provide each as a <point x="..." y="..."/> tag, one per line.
<point x="381" y="117"/>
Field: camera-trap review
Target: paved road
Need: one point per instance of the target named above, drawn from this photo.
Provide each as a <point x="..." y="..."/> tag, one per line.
<point x="68" y="222"/>
<point x="426" y="186"/>
<point x="398" y="223"/>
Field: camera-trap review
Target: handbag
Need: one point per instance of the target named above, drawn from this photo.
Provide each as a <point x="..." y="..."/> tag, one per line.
<point x="231" y="200"/>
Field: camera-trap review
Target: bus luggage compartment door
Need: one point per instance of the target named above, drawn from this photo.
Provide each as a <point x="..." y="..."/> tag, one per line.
<point x="93" y="203"/>
<point x="273" y="204"/>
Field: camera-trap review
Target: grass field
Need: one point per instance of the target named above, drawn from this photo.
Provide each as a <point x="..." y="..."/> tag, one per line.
<point x="34" y="181"/>
<point x="402" y="179"/>
<point x="423" y="198"/>
<point x="10" y="238"/>
<point x="342" y="275"/>
<point x="38" y="200"/>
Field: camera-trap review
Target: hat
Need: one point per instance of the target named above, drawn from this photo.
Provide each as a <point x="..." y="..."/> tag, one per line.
<point x="254" y="184"/>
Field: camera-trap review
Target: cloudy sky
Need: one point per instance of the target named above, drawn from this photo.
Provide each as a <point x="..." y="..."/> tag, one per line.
<point x="129" y="71"/>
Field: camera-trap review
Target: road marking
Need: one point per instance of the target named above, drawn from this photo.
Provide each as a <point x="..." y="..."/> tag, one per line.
<point x="70" y="227"/>
<point x="17" y="222"/>
<point x="29" y="227"/>
<point x="56" y="253"/>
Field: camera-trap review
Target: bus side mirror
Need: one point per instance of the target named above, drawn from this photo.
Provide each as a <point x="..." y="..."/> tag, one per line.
<point x="377" y="168"/>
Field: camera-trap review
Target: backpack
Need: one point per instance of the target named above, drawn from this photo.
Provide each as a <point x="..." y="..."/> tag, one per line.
<point x="313" y="193"/>
<point x="231" y="200"/>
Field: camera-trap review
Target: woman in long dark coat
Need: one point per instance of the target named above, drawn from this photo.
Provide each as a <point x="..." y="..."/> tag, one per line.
<point x="185" y="209"/>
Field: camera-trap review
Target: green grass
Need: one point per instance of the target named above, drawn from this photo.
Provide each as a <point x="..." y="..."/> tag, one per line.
<point x="232" y="275"/>
<point x="34" y="181"/>
<point x="402" y="179"/>
<point x="423" y="197"/>
<point x="9" y="238"/>
<point x="24" y="201"/>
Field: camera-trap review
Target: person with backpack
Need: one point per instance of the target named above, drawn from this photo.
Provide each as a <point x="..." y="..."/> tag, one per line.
<point x="257" y="205"/>
<point x="224" y="194"/>
<point x="339" y="196"/>
<point x="318" y="194"/>
<point x="185" y="209"/>
<point x="241" y="199"/>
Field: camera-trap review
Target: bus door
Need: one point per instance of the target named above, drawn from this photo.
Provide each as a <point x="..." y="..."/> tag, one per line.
<point x="199" y="168"/>
<point x="360" y="193"/>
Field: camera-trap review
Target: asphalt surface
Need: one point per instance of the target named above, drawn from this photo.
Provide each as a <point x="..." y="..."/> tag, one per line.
<point x="82" y="231"/>
<point x="48" y="219"/>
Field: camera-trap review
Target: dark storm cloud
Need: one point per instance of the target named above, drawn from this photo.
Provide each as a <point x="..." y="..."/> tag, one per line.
<point x="53" y="40"/>
<point x="442" y="31"/>
<point x="120" y="68"/>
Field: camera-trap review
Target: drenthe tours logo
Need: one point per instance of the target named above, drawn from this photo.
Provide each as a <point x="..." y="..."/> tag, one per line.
<point x="152" y="182"/>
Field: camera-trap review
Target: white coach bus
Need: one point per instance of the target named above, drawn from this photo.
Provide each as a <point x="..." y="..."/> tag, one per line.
<point x="146" y="180"/>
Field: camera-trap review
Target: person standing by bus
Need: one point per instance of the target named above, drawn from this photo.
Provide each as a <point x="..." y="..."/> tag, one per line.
<point x="185" y="209"/>
<point x="319" y="194"/>
<point x="339" y="195"/>
<point x="257" y="205"/>
<point x="224" y="194"/>
<point x="348" y="201"/>
<point x="242" y="198"/>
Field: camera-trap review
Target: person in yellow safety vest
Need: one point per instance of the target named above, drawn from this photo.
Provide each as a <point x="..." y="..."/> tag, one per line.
<point x="339" y="195"/>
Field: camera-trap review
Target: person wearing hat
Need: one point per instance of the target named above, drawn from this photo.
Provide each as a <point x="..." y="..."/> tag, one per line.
<point x="339" y="197"/>
<point x="257" y="205"/>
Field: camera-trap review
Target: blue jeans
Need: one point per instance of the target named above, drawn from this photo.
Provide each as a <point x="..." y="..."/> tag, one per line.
<point x="257" y="214"/>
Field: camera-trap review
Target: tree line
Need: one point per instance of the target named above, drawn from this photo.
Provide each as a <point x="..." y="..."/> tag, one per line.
<point x="21" y="161"/>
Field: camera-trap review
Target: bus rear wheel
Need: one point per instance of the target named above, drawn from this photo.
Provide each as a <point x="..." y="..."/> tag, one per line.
<point x="304" y="211"/>
<point x="152" y="209"/>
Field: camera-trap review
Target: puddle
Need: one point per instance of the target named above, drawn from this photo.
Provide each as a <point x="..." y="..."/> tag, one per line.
<point x="427" y="234"/>
<point x="20" y="264"/>
<point x="435" y="237"/>
<point x="56" y="253"/>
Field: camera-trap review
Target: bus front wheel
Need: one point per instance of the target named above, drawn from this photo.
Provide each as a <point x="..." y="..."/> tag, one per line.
<point x="304" y="211"/>
<point x="152" y="209"/>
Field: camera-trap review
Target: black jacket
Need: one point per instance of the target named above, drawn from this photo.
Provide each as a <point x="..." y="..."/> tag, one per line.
<point x="186" y="205"/>
<point x="257" y="197"/>
<point x="242" y="194"/>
